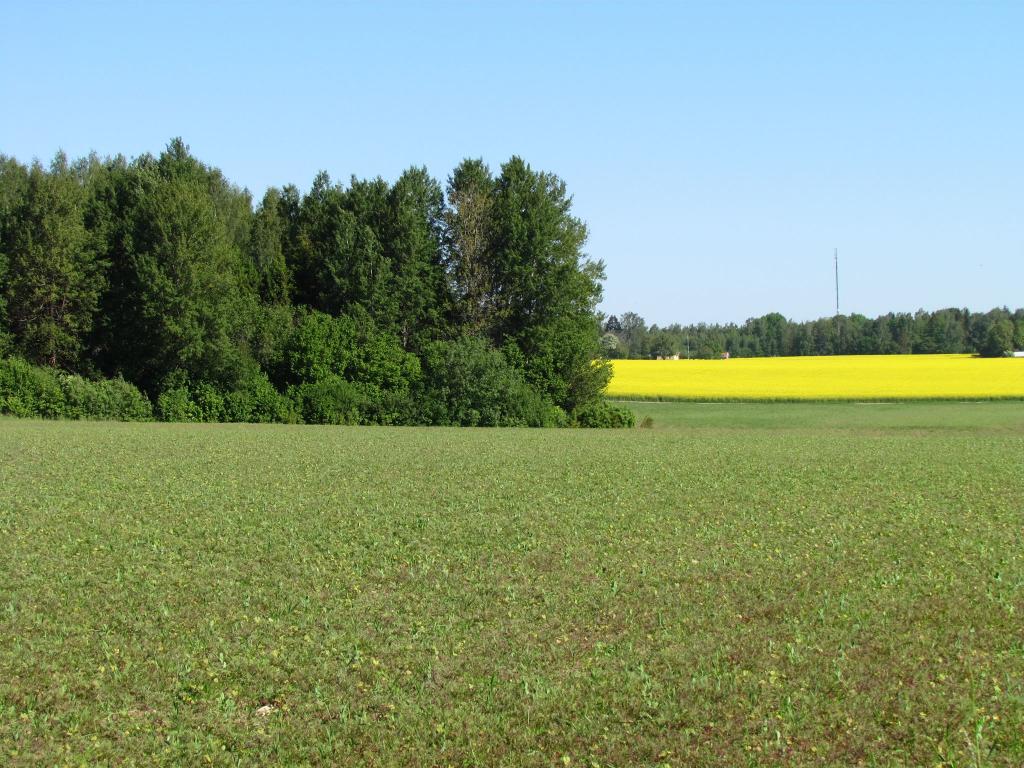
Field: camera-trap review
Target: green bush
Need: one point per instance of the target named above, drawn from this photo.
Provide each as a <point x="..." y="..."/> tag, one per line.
<point x="380" y="361"/>
<point x="330" y="400"/>
<point x="469" y="383"/>
<point x="176" y="404"/>
<point x="209" y="401"/>
<point x="109" y="399"/>
<point x="530" y="408"/>
<point x="135" y="406"/>
<point x="28" y="390"/>
<point x="605" y="415"/>
<point x="79" y="397"/>
<point x="342" y="370"/>
<point x="257" y="402"/>
<point x="319" y="346"/>
<point x="386" y="406"/>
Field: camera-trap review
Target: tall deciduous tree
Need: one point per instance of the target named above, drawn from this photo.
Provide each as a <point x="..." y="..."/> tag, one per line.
<point x="999" y="339"/>
<point x="13" y="189"/>
<point x="177" y="300"/>
<point x="55" y="276"/>
<point x="339" y="263"/>
<point x="266" y="250"/>
<point x="413" y="246"/>
<point x="467" y="220"/>
<point x="544" y="290"/>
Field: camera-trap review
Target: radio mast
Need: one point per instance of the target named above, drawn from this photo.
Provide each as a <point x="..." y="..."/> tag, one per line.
<point x="839" y="327"/>
<point x="835" y="259"/>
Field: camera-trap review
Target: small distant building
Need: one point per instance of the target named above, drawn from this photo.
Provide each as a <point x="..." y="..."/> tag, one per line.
<point x="725" y="355"/>
<point x="1019" y="353"/>
<point x="667" y="357"/>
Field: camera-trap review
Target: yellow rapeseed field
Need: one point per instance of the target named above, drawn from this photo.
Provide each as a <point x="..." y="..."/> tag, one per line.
<point x="847" y="377"/>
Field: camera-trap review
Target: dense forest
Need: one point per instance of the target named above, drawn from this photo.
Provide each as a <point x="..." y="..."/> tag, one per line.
<point x="993" y="334"/>
<point x="155" y="287"/>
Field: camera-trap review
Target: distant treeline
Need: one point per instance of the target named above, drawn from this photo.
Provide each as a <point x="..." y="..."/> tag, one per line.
<point x="404" y="303"/>
<point x="994" y="333"/>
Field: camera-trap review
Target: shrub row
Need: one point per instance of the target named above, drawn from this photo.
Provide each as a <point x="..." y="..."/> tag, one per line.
<point x="29" y="390"/>
<point x="479" y="388"/>
<point x="255" y="401"/>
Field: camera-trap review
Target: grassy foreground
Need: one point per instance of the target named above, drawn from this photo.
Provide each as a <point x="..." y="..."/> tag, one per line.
<point x="733" y="587"/>
<point x="829" y="378"/>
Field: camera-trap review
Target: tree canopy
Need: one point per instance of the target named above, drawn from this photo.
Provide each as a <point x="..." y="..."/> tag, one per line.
<point x="369" y="302"/>
<point x="950" y="331"/>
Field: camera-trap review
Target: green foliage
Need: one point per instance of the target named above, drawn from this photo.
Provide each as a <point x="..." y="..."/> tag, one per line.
<point x="387" y="406"/>
<point x="543" y="291"/>
<point x="380" y="361"/>
<point x="413" y="246"/>
<point x="319" y="346"/>
<point x="610" y="346"/>
<point x="328" y="400"/>
<point x="604" y="415"/>
<point x="663" y="344"/>
<point x="176" y="404"/>
<point x="467" y="229"/>
<point x="253" y="400"/>
<point x="105" y="399"/>
<point x="29" y="390"/>
<point x="13" y="191"/>
<point x="945" y="331"/>
<point x="209" y="401"/>
<point x="178" y="281"/>
<point x="256" y="401"/>
<point x="468" y="383"/>
<point x="999" y="339"/>
<point x="54" y="277"/>
<point x="270" y="329"/>
<point x="266" y="250"/>
<point x="334" y="250"/>
<point x="161" y="271"/>
<point x="381" y="372"/>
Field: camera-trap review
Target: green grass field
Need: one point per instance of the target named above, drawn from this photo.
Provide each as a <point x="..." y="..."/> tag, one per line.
<point x="740" y="585"/>
<point x="821" y="417"/>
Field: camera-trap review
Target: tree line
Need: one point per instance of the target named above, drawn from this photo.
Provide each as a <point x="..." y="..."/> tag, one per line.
<point x="368" y="302"/>
<point x="992" y="334"/>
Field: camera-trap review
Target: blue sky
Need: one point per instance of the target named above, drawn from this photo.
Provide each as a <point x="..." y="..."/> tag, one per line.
<point x="718" y="151"/>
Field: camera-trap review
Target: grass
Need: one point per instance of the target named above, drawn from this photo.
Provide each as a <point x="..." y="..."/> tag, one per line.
<point x="879" y="378"/>
<point x="741" y="585"/>
<point x="879" y="418"/>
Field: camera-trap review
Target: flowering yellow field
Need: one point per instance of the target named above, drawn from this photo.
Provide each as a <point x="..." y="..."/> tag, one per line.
<point x="849" y="377"/>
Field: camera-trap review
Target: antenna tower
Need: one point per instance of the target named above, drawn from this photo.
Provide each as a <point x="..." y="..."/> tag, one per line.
<point x="839" y="327"/>
<point x="835" y="259"/>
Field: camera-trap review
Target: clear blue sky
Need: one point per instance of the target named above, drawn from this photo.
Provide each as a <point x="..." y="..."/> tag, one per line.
<point x="718" y="151"/>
